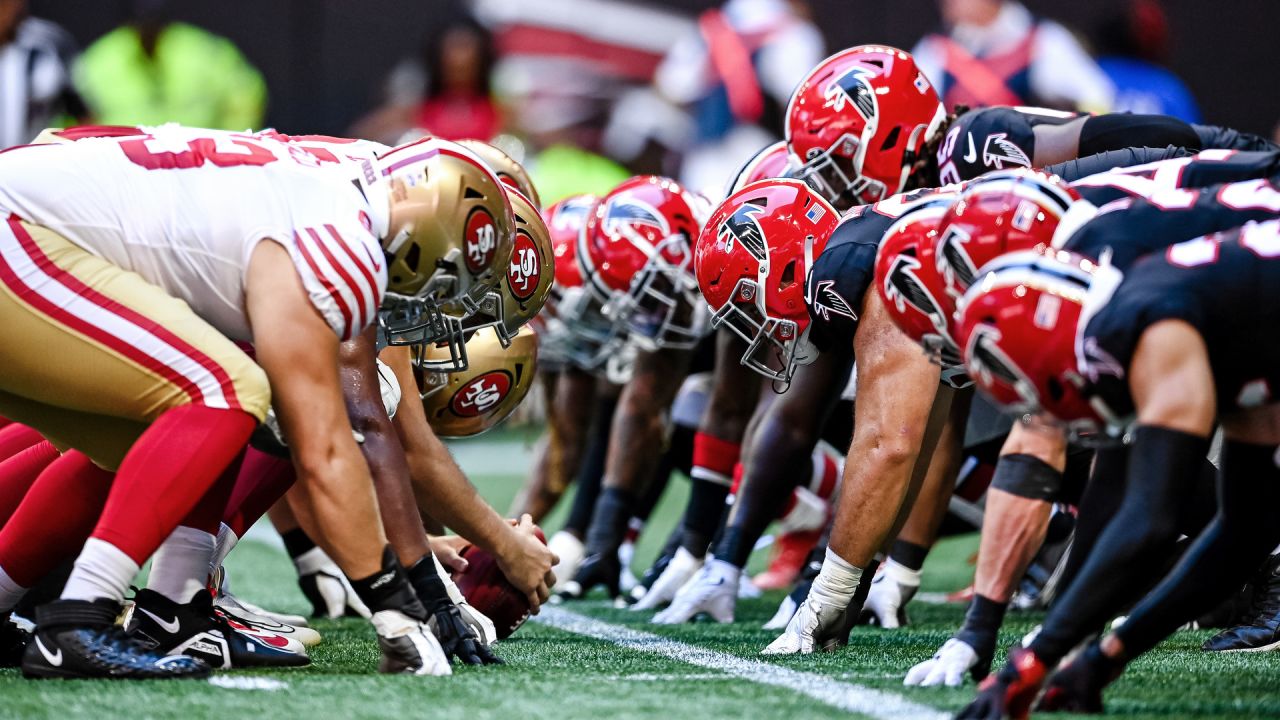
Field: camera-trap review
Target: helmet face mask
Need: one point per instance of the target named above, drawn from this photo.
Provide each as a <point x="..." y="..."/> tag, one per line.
<point x="662" y="308"/>
<point x="771" y="342"/>
<point x="833" y="173"/>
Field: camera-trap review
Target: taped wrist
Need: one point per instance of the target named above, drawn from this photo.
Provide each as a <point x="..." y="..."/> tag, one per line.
<point x="428" y="585"/>
<point x="982" y="624"/>
<point x="837" y="581"/>
<point x="389" y="589"/>
<point x="1027" y="476"/>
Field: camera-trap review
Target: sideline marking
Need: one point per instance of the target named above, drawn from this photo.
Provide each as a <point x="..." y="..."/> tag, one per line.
<point x="843" y="695"/>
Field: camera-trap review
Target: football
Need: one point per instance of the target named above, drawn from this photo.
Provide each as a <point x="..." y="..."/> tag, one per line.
<point x="488" y="590"/>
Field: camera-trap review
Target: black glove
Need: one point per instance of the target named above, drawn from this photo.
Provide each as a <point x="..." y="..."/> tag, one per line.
<point x="1078" y="687"/>
<point x="1010" y="693"/>
<point x="457" y="639"/>
<point x="600" y="569"/>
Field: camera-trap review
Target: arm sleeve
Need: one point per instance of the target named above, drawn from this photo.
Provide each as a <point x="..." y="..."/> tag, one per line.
<point x="1073" y="170"/>
<point x="1117" y="131"/>
<point x="1214" y="137"/>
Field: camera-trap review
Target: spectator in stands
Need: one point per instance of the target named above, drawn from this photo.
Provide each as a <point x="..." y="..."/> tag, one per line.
<point x="445" y="93"/>
<point x="1133" y="44"/>
<point x="153" y="70"/>
<point x="995" y="52"/>
<point x="35" y="62"/>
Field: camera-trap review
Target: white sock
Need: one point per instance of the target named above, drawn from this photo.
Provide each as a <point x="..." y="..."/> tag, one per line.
<point x="224" y="544"/>
<point x="180" y="568"/>
<point x="102" y="571"/>
<point x="10" y="592"/>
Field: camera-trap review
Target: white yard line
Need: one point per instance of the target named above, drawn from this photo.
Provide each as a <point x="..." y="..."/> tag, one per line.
<point x="843" y="695"/>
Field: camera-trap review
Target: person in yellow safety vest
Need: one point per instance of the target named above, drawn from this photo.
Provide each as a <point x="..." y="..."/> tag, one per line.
<point x="151" y="71"/>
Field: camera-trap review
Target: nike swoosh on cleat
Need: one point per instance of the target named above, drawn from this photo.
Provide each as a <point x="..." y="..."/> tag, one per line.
<point x="54" y="659"/>
<point x="170" y="627"/>
<point x="972" y="155"/>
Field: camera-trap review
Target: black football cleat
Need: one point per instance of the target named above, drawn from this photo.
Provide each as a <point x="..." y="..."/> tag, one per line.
<point x="1259" y="628"/>
<point x="195" y="630"/>
<point x="79" y="639"/>
<point x="597" y="570"/>
<point x="13" y="642"/>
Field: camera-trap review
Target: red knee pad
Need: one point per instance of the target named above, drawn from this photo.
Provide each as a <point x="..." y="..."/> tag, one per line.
<point x="714" y="459"/>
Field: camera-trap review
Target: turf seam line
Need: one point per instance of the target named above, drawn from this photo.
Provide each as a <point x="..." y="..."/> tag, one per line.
<point x="847" y="696"/>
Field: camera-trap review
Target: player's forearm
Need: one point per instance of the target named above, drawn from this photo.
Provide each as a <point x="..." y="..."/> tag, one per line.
<point x="445" y="493"/>
<point x="1013" y="528"/>
<point x="396" y="502"/>
<point x="339" y="494"/>
<point x="636" y="438"/>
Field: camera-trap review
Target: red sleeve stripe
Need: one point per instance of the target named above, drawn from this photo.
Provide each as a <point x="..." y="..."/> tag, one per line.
<point x="341" y="302"/>
<point x="369" y="299"/>
<point x="348" y="283"/>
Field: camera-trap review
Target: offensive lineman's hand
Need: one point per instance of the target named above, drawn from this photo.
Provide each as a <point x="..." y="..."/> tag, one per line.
<point x="527" y="562"/>
<point x="448" y="550"/>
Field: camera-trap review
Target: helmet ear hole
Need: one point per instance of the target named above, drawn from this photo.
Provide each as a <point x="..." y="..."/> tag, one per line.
<point x="412" y="257"/>
<point x="472" y="194"/>
<point x="788" y="276"/>
<point x="891" y="139"/>
<point x="1056" y="391"/>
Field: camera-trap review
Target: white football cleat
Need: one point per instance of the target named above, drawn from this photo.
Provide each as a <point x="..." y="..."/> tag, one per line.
<point x="408" y="646"/>
<point x="682" y="567"/>
<point x="571" y="552"/>
<point x="240" y="612"/>
<point x="786" y="610"/>
<point x="713" y="590"/>
<point x="949" y="666"/>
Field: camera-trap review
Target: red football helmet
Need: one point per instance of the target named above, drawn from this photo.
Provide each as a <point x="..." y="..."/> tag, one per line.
<point x="773" y="161"/>
<point x="752" y="259"/>
<point x="636" y="253"/>
<point x="1018" y="327"/>
<point x="910" y="288"/>
<point x="858" y="122"/>
<point x="573" y="327"/>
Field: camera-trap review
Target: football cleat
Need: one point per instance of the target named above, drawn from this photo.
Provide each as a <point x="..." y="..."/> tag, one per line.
<point x="251" y="617"/>
<point x="787" y="608"/>
<point x="79" y="639"/>
<point x="790" y="551"/>
<point x="329" y="591"/>
<point x="220" y="586"/>
<point x="569" y="548"/>
<point x="598" y="570"/>
<point x="195" y="629"/>
<point x="262" y="633"/>
<point x="1010" y="692"/>
<point x="627" y="580"/>
<point x="949" y="666"/>
<point x="13" y="642"/>
<point x="1259" y="629"/>
<point x="713" y="591"/>
<point x="679" y="570"/>
<point x="886" y="603"/>
<point x="1078" y="686"/>
<point x="407" y="646"/>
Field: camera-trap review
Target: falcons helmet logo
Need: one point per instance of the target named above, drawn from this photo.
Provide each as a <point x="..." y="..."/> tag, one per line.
<point x="854" y="87"/>
<point x="1000" y="152"/>
<point x="626" y="211"/>
<point x="987" y="362"/>
<point x="744" y="227"/>
<point x="827" y="302"/>
<point x="903" y="287"/>
<point x="953" y="261"/>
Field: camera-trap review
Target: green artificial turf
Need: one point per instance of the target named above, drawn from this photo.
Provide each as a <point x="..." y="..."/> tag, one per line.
<point x="557" y="675"/>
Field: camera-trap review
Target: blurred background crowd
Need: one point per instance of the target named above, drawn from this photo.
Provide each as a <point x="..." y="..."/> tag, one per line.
<point x="588" y="92"/>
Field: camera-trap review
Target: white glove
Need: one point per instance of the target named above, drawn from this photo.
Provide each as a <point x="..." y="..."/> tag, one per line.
<point x="819" y="623"/>
<point x="948" y="666"/>
<point x="408" y="646"/>
<point x="683" y="565"/>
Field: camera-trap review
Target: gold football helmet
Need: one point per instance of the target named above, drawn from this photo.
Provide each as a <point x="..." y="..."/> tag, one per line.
<point x="524" y="287"/>
<point x="469" y="402"/>
<point x="448" y="245"/>
<point x="508" y="170"/>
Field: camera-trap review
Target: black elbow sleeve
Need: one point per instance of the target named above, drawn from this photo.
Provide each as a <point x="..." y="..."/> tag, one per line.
<point x="1117" y="131"/>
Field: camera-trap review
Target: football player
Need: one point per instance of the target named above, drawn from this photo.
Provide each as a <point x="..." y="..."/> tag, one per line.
<point x="154" y="300"/>
<point x="1179" y="318"/>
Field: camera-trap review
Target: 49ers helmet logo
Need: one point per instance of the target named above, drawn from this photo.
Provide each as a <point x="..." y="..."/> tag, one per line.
<point x="480" y="240"/>
<point x="481" y="394"/>
<point x="525" y="269"/>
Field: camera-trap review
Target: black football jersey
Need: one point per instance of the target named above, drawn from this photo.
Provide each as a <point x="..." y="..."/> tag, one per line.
<point x="1210" y="167"/>
<point x="1226" y="286"/>
<point x="994" y="138"/>
<point x="1131" y="228"/>
<point x="842" y="274"/>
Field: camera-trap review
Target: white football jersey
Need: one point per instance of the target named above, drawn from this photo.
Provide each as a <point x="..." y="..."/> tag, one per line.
<point x="185" y="208"/>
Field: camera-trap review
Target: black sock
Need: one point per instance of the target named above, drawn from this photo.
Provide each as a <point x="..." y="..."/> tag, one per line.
<point x="908" y="554"/>
<point x="427" y="584"/>
<point x="296" y="542"/>
<point x="702" y="515"/>
<point x="981" y="624"/>
<point x="389" y="589"/>
<point x="609" y="523"/>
